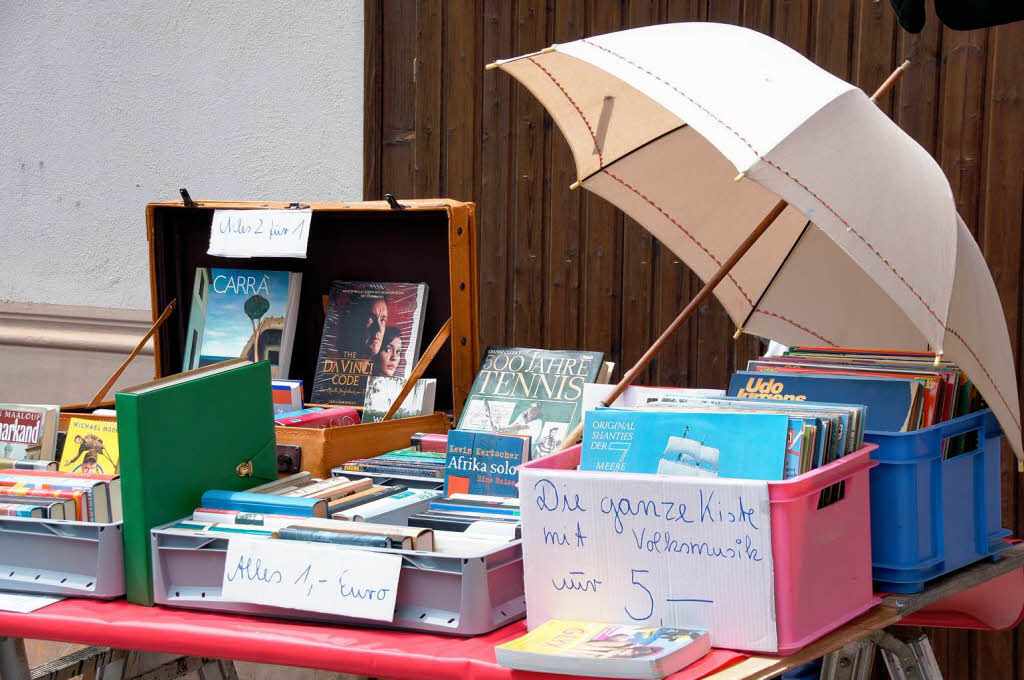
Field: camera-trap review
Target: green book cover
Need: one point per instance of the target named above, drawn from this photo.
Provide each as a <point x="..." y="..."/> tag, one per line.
<point x="534" y="392"/>
<point x="181" y="436"/>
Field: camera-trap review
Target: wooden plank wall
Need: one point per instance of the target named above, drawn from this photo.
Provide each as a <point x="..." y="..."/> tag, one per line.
<point x="437" y="124"/>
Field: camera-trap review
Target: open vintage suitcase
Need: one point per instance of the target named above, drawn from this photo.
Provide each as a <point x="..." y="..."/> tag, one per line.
<point x="432" y="241"/>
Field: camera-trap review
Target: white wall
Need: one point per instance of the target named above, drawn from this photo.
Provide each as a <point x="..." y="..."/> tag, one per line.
<point x="105" y="106"/>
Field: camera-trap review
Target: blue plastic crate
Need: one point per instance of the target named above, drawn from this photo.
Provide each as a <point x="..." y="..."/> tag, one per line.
<point x="931" y="516"/>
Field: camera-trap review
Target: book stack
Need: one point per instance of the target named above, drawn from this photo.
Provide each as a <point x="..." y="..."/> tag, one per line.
<point x="408" y="463"/>
<point x="473" y="515"/>
<point x="903" y="391"/>
<point x="51" y="494"/>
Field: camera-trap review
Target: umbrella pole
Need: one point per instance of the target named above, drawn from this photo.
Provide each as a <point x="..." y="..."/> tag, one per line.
<point x="709" y="287"/>
<point x="690" y="308"/>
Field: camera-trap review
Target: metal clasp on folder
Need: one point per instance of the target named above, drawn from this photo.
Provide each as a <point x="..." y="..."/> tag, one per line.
<point x="244" y="469"/>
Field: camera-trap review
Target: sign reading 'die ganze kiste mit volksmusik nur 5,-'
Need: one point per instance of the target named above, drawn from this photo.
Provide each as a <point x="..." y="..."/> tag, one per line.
<point x="259" y="233"/>
<point x="318" y="578"/>
<point x="642" y="549"/>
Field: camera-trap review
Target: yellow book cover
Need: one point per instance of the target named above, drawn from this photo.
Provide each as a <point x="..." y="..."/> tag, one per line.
<point x="90" y="447"/>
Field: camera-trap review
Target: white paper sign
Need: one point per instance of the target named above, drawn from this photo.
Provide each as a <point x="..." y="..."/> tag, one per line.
<point x="650" y="549"/>
<point x="23" y="603"/>
<point x="319" y="578"/>
<point x="259" y="233"/>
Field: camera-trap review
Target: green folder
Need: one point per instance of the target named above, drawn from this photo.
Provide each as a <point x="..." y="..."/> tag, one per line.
<point x="181" y="436"/>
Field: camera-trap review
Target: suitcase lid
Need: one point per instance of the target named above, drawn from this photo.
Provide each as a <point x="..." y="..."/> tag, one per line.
<point x="428" y="240"/>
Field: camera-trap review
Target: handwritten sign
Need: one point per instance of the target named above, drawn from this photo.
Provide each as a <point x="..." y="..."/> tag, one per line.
<point x="645" y="549"/>
<point x="319" y="578"/>
<point x="259" y="233"/>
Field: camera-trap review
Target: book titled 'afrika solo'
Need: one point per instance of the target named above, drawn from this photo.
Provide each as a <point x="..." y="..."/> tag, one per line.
<point x="533" y="392"/>
<point x="370" y="328"/>
<point x="242" y="313"/>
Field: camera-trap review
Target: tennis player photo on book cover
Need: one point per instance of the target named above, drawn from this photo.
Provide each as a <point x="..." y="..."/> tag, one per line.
<point x="370" y="328"/>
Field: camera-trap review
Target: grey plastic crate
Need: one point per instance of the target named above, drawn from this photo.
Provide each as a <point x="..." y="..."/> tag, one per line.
<point x="61" y="557"/>
<point x="438" y="593"/>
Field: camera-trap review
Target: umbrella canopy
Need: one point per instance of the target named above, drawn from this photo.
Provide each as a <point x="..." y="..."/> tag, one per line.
<point x="870" y="252"/>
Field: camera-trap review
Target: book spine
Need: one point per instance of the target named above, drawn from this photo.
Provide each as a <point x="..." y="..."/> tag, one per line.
<point x="337" y="537"/>
<point x="345" y="504"/>
<point x="438" y="523"/>
<point x="137" y="556"/>
<point x="267" y="504"/>
<point x="397" y="470"/>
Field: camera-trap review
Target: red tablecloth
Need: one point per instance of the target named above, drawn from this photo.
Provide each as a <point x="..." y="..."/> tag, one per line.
<point x="376" y="653"/>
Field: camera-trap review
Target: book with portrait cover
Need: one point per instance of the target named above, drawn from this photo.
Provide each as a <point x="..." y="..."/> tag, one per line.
<point x="242" y="313"/>
<point x="535" y="392"/>
<point x="370" y="328"/>
<point x="28" y="431"/>
<point x="604" y="650"/>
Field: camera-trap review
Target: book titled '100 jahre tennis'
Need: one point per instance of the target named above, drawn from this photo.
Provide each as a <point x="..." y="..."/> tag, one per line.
<point x="532" y="392"/>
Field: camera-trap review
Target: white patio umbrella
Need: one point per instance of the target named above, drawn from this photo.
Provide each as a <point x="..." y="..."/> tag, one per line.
<point x="869" y="252"/>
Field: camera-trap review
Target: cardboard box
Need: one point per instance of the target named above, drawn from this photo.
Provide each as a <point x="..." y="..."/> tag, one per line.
<point x="764" y="566"/>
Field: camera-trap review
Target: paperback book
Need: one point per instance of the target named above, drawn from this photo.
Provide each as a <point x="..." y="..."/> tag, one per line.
<point x="91" y="447"/>
<point x="370" y="329"/>
<point x="28" y="431"/>
<point x="381" y="392"/>
<point x="604" y="650"/>
<point x="484" y="463"/>
<point x="531" y="392"/>
<point x="242" y="313"/>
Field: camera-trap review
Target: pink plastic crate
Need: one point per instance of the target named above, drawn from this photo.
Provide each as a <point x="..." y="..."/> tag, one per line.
<point x="821" y="549"/>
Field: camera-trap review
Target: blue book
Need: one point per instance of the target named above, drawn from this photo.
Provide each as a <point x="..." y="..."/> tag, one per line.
<point x="484" y="463"/>
<point x="714" y="444"/>
<point x="890" y="401"/>
<point x="265" y="503"/>
<point x="296" y="414"/>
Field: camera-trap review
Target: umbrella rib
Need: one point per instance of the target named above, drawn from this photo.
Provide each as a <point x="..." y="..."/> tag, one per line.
<point x="775" y="275"/>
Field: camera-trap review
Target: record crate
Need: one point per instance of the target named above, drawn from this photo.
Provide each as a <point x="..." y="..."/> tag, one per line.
<point x="449" y="593"/>
<point x="61" y="557"/>
<point x="932" y="514"/>
<point x="820" y="541"/>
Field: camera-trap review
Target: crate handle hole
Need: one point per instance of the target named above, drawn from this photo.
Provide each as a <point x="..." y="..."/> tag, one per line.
<point x="832" y="494"/>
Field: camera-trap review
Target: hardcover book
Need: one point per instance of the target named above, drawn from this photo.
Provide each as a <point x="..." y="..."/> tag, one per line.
<point x="28" y="431"/>
<point x="532" y="392"/>
<point x="604" y="650"/>
<point x="183" y="435"/>
<point x="381" y="392"/>
<point x="242" y="313"/>
<point x="369" y="329"/>
<point x="90" y="447"/>
<point x="484" y="463"/>
<point x="721" y="444"/>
